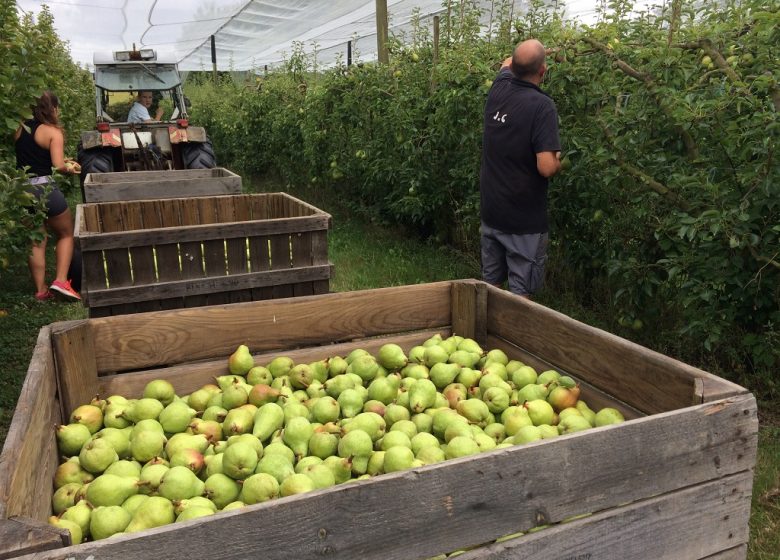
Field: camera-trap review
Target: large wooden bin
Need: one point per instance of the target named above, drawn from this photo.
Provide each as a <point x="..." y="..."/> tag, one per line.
<point x="671" y="483"/>
<point x="149" y="255"/>
<point x="147" y="185"/>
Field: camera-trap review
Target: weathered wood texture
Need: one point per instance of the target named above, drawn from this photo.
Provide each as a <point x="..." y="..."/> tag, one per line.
<point x="469" y="310"/>
<point x="670" y="464"/>
<point x="74" y="356"/>
<point x="134" y="342"/>
<point x="146" y="185"/>
<point x="695" y="523"/>
<point x="29" y="456"/>
<point x="148" y="255"/>
<point x="645" y="380"/>
<point x="186" y="378"/>
<point x="21" y="535"/>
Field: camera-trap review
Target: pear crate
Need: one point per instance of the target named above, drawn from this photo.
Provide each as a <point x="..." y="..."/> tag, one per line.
<point x="148" y="255"/>
<point x="672" y="482"/>
<point x="171" y="183"/>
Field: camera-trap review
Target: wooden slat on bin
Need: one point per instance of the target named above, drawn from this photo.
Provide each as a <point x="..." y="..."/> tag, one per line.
<point x="259" y="250"/>
<point x="214" y="255"/>
<point x="300" y="244"/>
<point x="234" y="209"/>
<point x="117" y="260"/>
<point x="142" y="257"/>
<point x="191" y="251"/>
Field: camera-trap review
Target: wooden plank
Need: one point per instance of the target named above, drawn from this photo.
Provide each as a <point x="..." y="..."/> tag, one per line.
<point x="171" y="337"/>
<point x="188" y="377"/>
<point x="479" y="498"/>
<point x="469" y="310"/>
<point x="280" y="251"/>
<point x="142" y="258"/>
<point x="690" y="524"/>
<point x="199" y="231"/>
<point x="91" y="219"/>
<point x="167" y="254"/>
<point x="646" y="380"/>
<point x="158" y="176"/>
<point x="238" y="248"/>
<point x="208" y="286"/>
<point x="74" y="355"/>
<point x="259" y="246"/>
<point x="29" y="456"/>
<point x="736" y="553"/>
<point x="192" y="259"/>
<point x="133" y="187"/>
<point x="21" y="535"/>
<point x="117" y="259"/>
<point x="214" y="251"/>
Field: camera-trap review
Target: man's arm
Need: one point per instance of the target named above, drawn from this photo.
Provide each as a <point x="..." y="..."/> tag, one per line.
<point x="548" y="163"/>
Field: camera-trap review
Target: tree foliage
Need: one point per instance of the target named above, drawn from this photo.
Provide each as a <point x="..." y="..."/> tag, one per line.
<point x="670" y="205"/>
<point x="34" y="59"/>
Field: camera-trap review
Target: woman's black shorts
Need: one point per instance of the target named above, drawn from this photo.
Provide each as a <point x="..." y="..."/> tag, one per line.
<point x="55" y="201"/>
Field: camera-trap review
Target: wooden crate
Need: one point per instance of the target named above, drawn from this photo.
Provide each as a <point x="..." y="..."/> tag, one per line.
<point x="149" y="255"/>
<point x="147" y="185"/>
<point x="671" y="483"/>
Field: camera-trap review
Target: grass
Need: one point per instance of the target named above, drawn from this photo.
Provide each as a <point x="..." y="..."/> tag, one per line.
<point x="369" y="256"/>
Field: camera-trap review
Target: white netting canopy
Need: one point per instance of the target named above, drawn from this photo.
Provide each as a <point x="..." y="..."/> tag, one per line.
<point x="248" y="34"/>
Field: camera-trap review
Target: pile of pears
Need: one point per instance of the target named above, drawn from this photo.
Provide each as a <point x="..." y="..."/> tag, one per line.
<point x="263" y="432"/>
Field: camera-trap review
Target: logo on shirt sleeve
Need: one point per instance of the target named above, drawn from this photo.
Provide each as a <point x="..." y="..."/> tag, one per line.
<point x="499" y="117"/>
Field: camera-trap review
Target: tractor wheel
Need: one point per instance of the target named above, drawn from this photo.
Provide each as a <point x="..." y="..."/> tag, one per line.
<point x="95" y="161"/>
<point x="198" y="155"/>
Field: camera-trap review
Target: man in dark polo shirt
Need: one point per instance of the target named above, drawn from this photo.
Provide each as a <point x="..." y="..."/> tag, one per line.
<point x="521" y="151"/>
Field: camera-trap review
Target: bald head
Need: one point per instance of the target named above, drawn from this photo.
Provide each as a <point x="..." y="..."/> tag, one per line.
<point x="528" y="61"/>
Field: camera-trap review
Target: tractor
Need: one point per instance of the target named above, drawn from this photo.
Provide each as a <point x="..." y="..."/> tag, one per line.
<point x="118" y="145"/>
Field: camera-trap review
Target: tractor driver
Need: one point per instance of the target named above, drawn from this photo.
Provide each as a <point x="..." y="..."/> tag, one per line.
<point x="139" y="112"/>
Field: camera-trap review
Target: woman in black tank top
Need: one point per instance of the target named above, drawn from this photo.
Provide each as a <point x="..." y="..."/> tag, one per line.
<point x="40" y="147"/>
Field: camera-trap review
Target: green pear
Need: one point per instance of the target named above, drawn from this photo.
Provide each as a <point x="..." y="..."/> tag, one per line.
<point x="278" y="447"/>
<point x="133" y="502"/>
<point x="430" y="455"/>
<point x="573" y="423"/>
<point x="268" y="419"/>
<point x="259" y="375"/>
<point x="296" y="484"/>
<point x="516" y="420"/>
<point x="391" y="357"/>
<point x="71" y="438"/>
<point x="548" y="431"/>
<point x="238" y="421"/>
<point x="241" y="361"/>
<point x="532" y="392"/>
<point x="423" y="422"/>
<point x="435" y="354"/>
<point x="146" y="445"/>
<point x="548" y="376"/>
<point x="350" y="403"/>
<point x="107" y="521"/>
<point x="259" y="488"/>
<point x="239" y="461"/>
<point x="193" y="512"/>
<point x="89" y="415"/>
<point x="496" y="399"/>
<point x="64" y="497"/>
<point x="114" y="416"/>
<point x="296" y="435"/>
<point x="277" y="465"/>
<point x="234" y="396"/>
<point x="321" y="475"/>
<point x="398" y="458"/>
<point x="527" y="434"/>
<point x="497" y="431"/>
<point x="323" y="444"/>
<point x="442" y="418"/>
<point x="280" y="366"/>
<point x="341" y="468"/>
<point x="524" y="375"/>
<point x="124" y="468"/>
<point x="540" y="411"/>
<point x="382" y="389"/>
<point x="154" y="512"/>
<point x="197" y="501"/>
<point x="422" y="395"/>
<point x="118" y="439"/>
<point x="470" y="345"/>
<point x="405" y="426"/>
<point x="607" y="416"/>
<point x="71" y="472"/>
<point x="80" y="514"/>
<point x="76" y="535"/>
<point x="152" y="475"/>
<point x="422" y="440"/>
<point x="497" y="356"/>
<point x="160" y="389"/>
<point x="199" y="400"/>
<point x="369" y="422"/>
<point x="464" y="358"/>
<point x="461" y="446"/>
<point x="394" y="439"/>
<point x="293" y="408"/>
<point x="97" y="455"/>
<point x="327" y="409"/>
<point x="442" y="374"/>
<point x="474" y="410"/>
<point x="221" y="489"/>
<point x="415" y="371"/>
<point x="190" y="458"/>
<point x="356" y="443"/>
<point x="484" y="442"/>
<point x="180" y="483"/>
